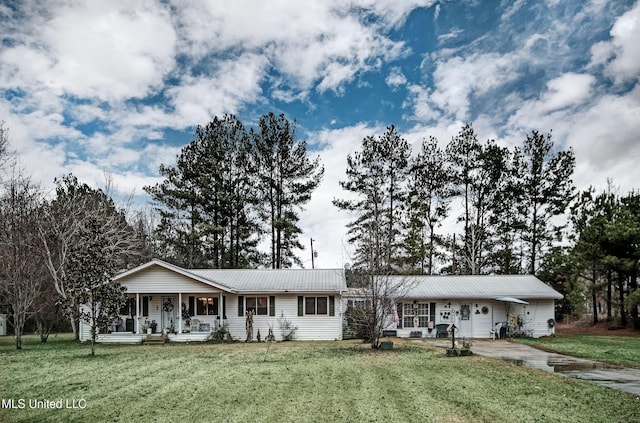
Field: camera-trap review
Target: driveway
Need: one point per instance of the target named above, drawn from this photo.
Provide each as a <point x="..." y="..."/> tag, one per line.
<point x="621" y="378"/>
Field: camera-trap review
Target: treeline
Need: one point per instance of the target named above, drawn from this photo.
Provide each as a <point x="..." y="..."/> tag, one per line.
<point x="230" y="190"/>
<point x="508" y="200"/>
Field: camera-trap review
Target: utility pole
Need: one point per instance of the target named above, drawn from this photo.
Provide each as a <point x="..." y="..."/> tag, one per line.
<point x="312" y="254"/>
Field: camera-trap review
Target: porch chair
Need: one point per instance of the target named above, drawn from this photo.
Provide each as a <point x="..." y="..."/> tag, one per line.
<point x="195" y="325"/>
<point x="495" y="332"/>
<point x="442" y="330"/>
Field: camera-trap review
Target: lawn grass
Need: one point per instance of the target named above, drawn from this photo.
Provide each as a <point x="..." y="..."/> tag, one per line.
<point x="342" y="381"/>
<point x="620" y="350"/>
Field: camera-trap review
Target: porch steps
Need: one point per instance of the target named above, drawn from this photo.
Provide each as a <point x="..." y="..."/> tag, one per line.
<point x="154" y="339"/>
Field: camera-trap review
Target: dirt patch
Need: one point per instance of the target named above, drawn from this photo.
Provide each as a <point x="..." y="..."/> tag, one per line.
<point x="583" y="327"/>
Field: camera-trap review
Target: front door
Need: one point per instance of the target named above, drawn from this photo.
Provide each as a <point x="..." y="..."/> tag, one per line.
<point x="169" y="323"/>
<point x="464" y="321"/>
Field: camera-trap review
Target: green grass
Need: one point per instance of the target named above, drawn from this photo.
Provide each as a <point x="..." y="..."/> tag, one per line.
<point x="300" y="381"/>
<point x="620" y="350"/>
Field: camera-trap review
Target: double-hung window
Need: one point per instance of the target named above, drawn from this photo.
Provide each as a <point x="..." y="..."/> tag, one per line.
<point x="312" y="306"/>
<point x="260" y="305"/>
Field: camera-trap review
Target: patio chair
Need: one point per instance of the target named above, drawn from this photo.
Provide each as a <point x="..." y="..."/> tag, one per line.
<point x="442" y="330"/>
<point x="495" y="332"/>
<point x="195" y="325"/>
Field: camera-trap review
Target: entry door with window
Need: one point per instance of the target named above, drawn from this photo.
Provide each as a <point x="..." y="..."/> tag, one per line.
<point x="169" y="309"/>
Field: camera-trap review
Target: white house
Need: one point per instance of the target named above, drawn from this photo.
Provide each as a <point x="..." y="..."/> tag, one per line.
<point x="429" y="305"/>
<point x="159" y="292"/>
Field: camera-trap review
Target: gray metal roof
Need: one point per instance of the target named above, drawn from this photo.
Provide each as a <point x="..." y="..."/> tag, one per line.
<point x="476" y="286"/>
<point x="276" y="280"/>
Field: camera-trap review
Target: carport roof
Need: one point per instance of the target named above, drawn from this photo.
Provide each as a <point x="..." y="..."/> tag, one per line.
<point x="476" y="287"/>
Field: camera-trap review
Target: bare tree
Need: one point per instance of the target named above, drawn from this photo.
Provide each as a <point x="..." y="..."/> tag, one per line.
<point x="374" y="307"/>
<point x="21" y="273"/>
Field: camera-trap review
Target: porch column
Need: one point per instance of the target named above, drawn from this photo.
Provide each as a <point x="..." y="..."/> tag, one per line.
<point x="137" y="322"/>
<point x="179" y="313"/>
<point x="220" y="315"/>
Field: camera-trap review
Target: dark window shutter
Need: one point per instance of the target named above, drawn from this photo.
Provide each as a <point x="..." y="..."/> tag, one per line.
<point x="145" y="306"/>
<point x="432" y="312"/>
<point x="300" y="305"/>
<point x="332" y="305"/>
<point x="224" y="307"/>
<point x="272" y="305"/>
<point x="240" y="305"/>
<point x="399" y="309"/>
<point x="192" y="307"/>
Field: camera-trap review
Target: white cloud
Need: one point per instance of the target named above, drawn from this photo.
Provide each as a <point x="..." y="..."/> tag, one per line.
<point x="396" y="78"/>
<point x="624" y="48"/>
<point x="457" y="78"/>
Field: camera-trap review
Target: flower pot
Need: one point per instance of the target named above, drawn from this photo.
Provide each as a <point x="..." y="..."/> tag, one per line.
<point x="149" y="332"/>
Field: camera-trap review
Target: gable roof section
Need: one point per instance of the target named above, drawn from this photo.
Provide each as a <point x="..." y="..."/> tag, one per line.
<point x="256" y="280"/>
<point x="176" y="269"/>
<point x="477" y="286"/>
<point x="277" y="280"/>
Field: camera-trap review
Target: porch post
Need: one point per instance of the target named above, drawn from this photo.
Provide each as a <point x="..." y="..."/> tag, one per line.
<point x="137" y="322"/>
<point x="179" y="313"/>
<point x="220" y="315"/>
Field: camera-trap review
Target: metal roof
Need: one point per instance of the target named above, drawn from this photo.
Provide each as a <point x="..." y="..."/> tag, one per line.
<point x="476" y="286"/>
<point x="276" y="280"/>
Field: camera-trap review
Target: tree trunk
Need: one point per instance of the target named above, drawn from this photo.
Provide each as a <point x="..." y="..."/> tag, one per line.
<point x="594" y="295"/>
<point x="623" y="314"/>
<point x="609" y="295"/>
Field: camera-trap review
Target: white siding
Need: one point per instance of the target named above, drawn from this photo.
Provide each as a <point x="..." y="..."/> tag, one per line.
<point x="310" y="328"/>
<point x="155" y="280"/>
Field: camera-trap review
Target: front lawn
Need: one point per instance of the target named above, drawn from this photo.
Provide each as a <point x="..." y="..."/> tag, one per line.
<point x="620" y="350"/>
<point x="342" y="381"/>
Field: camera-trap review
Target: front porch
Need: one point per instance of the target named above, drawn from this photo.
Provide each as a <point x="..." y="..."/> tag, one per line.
<point x="135" y="338"/>
<point x="166" y="313"/>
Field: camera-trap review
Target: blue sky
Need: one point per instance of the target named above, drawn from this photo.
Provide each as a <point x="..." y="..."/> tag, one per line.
<point x="118" y="87"/>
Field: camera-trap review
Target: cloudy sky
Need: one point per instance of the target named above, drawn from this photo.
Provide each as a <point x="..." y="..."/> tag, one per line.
<point x="90" y="87"/>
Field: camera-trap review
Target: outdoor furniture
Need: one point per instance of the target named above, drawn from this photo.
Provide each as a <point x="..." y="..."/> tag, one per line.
<point x="195" y="325"/>
<point x="495" y="332"/>
<point x="442" y="330"/>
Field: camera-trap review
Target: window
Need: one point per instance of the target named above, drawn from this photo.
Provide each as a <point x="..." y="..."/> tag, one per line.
<point x="259" y="305"/>
<point x="410" y="310"/>
<point x="465" y="311"/>
<point x="207" y="306"/>
<point x="316" y="306"/>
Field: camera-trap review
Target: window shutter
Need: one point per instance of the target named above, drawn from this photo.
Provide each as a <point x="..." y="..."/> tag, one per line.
<point x="192" y="307"/>
<point x="399" y="309"/>
<point x="272" y="305"/>
<point x="240" y="305"/>
<point x="224" y="307"/>
<point x="145" y="306"/>
<point x="300" y="305"/>
<point x="432" y="312"/>
<point x="332" y="305"/>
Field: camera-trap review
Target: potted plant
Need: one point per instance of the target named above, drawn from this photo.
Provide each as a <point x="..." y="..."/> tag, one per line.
<point x="153" y="326"/>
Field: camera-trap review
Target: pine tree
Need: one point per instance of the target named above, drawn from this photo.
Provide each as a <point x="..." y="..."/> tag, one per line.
<point x="548" y="190"/>
<point x="286" y="178"/>
<point x="377" y="175"/>
<point x="427" y="205"/>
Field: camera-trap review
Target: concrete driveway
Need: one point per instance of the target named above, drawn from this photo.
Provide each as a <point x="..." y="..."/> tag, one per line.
<point x="621" y="378"/>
